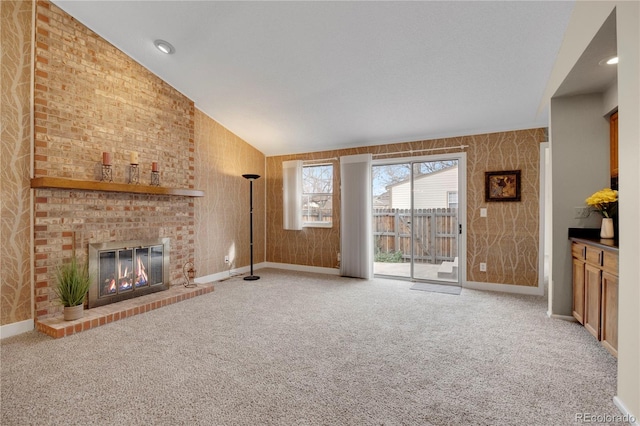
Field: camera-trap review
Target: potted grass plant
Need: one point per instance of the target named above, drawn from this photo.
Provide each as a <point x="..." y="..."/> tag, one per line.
<point x="73" y="282"/>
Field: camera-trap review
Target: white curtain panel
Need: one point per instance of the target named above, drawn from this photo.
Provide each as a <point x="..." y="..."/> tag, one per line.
<point x="292" y="194"/>
<point x="356" y="238"/>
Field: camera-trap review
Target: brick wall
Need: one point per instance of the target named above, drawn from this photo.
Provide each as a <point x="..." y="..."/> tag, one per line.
<point x="89" y="98"/>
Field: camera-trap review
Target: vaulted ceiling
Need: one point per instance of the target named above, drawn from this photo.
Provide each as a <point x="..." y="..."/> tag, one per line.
<point x="292" y="77"/>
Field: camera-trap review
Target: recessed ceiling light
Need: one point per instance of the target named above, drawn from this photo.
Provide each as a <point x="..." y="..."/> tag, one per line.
<point x="164" y="46"/>
<point x="609" y="60"/>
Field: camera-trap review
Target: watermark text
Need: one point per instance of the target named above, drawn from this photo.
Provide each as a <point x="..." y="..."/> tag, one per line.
<point x="604" y="418"/>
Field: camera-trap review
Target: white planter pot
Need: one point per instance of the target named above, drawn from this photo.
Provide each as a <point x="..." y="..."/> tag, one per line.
<point x="606" y="229"/>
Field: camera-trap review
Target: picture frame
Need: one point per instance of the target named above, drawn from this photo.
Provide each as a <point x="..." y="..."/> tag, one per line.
<point x="502" y="185"/>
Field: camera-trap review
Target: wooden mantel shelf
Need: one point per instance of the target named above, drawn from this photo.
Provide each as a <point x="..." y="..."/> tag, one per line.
<point x="61" y="183"/>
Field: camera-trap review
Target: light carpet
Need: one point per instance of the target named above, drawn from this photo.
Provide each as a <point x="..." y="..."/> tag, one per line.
<point x="438" y="288"/>
<point x="305" y="349"/>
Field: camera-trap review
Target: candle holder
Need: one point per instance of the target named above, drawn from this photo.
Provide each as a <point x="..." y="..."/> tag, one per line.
<point x="134" y="174"/>
<point x="107" y="173"/>
<point x="155" y="178"/>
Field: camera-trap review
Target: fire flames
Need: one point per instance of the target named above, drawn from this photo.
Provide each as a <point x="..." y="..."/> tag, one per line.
<point x="127" y="278"/>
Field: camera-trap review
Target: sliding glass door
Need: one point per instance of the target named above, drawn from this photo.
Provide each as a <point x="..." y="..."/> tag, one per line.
<point x="415" y="219"/>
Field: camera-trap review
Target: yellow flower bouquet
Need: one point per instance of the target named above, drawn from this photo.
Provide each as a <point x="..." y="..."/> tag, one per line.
<point x="604" y="201"/>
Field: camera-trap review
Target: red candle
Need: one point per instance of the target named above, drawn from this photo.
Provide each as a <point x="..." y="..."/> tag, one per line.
<point x="106" y="158"/>
<point x="154" y="166"/>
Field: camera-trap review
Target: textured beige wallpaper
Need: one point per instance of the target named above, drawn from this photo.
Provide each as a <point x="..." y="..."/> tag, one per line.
<point x="507" y="240"/>
<point x="15" y="229"/>
<point x="222" y="215"/>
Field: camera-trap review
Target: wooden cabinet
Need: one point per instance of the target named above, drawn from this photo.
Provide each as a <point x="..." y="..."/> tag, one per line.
<point x="595" y="291"/>
<point x="613" y="144"/>
<point x="609" y="314"/>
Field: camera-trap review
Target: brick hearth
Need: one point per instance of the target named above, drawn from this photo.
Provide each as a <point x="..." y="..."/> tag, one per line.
<point x="57" y="327"/>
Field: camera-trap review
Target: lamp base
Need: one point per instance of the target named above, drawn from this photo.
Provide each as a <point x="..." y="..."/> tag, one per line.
<point x="251" y="278"/>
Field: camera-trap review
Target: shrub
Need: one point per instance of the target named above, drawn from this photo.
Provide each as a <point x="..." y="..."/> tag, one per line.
<point x="388" y="257"/>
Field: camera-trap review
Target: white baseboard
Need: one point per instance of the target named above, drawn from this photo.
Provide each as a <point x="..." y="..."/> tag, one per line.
<point x="505" y="288"/>
<point x="302" y="268"/>
<point x="227" y="274"/>
<point x="16" y="328"/>
<point x="245" y="269"/>
<point x="627" y="416"/>
<point x="569" y="318"/>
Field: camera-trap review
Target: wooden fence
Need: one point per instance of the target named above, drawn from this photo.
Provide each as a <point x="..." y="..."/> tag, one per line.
<point x="435" y="233"/>
<point x="316" y="215"/>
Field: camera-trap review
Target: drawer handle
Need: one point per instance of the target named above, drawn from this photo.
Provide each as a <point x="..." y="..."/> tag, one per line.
<point x="584" y="252"/>
<point x="600" y="258"/>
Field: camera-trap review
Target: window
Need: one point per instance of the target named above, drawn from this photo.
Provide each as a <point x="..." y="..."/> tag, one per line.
<point x="452" y="199"/>
<point x="317" y="195"/>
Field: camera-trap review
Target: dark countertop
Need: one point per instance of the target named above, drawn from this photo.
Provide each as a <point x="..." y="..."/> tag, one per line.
<point x="592" y="236"/>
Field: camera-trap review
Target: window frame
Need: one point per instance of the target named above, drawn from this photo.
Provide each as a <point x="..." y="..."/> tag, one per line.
<point x="331" y="195"/>
<point x="457" y="203"/>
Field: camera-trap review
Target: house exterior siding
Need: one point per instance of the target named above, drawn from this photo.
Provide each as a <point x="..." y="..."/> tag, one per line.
<point x="431" y="190"/>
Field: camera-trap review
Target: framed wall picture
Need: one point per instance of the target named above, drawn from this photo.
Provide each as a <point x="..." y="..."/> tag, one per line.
<point x="502" y="186"/>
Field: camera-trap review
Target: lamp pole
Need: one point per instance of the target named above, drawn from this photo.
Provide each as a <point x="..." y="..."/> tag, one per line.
<point x="251" y="178"/>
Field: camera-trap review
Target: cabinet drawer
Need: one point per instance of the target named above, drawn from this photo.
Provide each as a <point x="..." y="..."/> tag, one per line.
<point x="578" y="250"/>
<point x="594" y="256"/>
<point x="610" y="262"/>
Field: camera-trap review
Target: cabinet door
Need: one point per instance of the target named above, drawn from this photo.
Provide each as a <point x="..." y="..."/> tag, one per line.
<point x="613" y="144"/>
<point x="610" y="312"/>
<point x="593" y="295"/>
<point x="578" y="290"/>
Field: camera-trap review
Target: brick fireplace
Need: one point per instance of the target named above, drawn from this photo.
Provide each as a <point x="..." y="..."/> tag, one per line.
<point x="91" y="98"/>
<point x="72" y="221"/>
<point x="144" y="240"/>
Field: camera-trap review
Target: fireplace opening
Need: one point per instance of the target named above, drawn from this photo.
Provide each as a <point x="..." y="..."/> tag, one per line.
<point x="122" y="270"/>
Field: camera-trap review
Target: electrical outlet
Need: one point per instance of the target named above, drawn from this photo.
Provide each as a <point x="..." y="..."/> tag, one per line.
<point x="226" y="259"/>
<point x="581" y="212"/>
<point x="483" y="212"/>
<point x="338" y="256"/>
<point x="483" y="267"/>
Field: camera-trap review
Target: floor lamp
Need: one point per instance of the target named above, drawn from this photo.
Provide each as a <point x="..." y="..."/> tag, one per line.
<point x="251" y="178"/>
